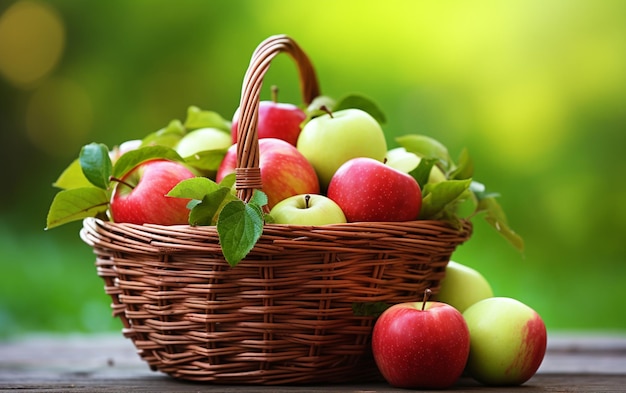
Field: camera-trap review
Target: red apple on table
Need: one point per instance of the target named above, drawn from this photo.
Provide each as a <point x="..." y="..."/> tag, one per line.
<point x="140" y="196"/>
<point x="276" y="120"/>
<point x="284" y="170"/>
<point x="368" y="190"/>
<point x="421" y="345"/>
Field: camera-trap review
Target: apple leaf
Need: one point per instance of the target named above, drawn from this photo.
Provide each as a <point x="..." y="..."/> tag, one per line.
<point x="422" y="172"/>
<point x="131" y="159"/>
<point x="194" y="188"/>
<point x="363" y="103"/>
<point x="438" y="196"/>
<point x="208" y="160"/>
<point x="239" y="227"/>
<point x="96" y="164"/>
<point x="487" y="203"/>
<point x="76" y="204"/>
<point x="207" y="211"/>
<point x="168" y="136"/>
<point x="72" y="177"/>
<point x="464" y="168"/>
<point x="229" y="180"/>
<point x="197" y="118"/>
<point x="426" y="147"/>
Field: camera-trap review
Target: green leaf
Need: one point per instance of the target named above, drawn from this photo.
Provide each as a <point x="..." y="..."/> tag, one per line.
<point x="422" y="172"/>
<point x="96" y="164"/>
<point x="197" y="118"/>
<point x="229" y="181"/>
<point x="363" y="103"/>
<point x="208" y="160"/>
<point x="76" y="204"/>
<point x="207" y="211"/>
<point x="496" y="218"/>
<point x="464" y="168"/>
<point x="72" y="177"/>
<point x="168" y="136"/>
<point x="259" y="198"/>
<point x="239" y="227"/>
<point x="426" y="147"/>
<point x="438" y="196"/>
<point x="133" y="158"/>
<point x="194" y="188"/>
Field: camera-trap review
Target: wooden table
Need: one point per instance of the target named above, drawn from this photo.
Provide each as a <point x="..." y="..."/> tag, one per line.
<point x="108" y="363"/>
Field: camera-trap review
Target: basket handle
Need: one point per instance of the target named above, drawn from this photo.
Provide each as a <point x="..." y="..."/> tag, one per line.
<point x="248" y="173"/>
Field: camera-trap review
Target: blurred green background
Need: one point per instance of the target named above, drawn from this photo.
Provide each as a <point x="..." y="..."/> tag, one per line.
<point x="535" y="89"/>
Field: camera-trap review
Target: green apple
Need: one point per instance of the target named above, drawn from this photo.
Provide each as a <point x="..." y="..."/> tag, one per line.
<point x="203" y="139"/>
<point x="405" y="161"/>
<point x="329" y="140"/>
<point x="307" y="209"/>
<point x="507" y="341"/>
<point x="463" y="286"/>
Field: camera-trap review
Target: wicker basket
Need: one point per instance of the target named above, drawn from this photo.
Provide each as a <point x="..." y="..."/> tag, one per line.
<point x="284" y="315"/>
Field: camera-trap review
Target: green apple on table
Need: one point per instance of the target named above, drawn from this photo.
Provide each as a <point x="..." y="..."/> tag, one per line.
<point x="508" y="341"/>
<point x="329" y="140"/>
<point x="307" y="209"/>
<point x="462" y="286"/>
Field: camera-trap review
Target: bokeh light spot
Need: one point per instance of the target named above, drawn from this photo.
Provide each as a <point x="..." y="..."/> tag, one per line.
<point x="32" y="38"/>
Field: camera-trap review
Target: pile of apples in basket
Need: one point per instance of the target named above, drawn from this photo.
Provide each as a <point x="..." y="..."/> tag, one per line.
<point x="324" y="164"/>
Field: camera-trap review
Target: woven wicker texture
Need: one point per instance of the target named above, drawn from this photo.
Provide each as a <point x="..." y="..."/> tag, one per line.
<point x="284" y="314"/>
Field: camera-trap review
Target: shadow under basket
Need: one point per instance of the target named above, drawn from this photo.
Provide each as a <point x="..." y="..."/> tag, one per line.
<point x="283" y="315"/>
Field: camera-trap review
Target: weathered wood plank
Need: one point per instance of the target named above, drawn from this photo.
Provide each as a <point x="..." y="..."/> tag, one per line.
<point x="581" y="363"/>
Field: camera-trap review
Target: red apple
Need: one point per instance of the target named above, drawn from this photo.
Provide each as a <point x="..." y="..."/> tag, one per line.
<point x="421" y="345"/>
<point x="284" y="170"/>
<point x="368" y="190"/>
<point x="140" y="196"/>
<point x="276" y="120"/>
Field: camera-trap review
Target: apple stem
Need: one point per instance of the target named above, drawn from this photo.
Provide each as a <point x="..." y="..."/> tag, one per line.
<point x="274" y="93"/>
<point x="427" y="293"/>
<point x="115" y="179"/>
<point x="327" y="110"/>
<point x="307" y="198"/>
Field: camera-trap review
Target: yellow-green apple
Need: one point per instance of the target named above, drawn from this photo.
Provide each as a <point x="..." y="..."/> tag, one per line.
<point x="508" y="341"/>
<point x="462" y="286"/>
<point x="123" y="148"/>
<point x="369" y="190"/>
<point x="421" y="345"/>
<point x="329" y="140"/>
<point x="276" y="120"/>
<point x="140" y="197"/>
<point x="284" y="170"/>
<point x="405" y="161"/>
<point x="307" y="209"/>
<point x="202" y="139"/>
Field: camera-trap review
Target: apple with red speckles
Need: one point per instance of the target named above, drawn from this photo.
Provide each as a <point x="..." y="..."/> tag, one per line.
<point x="284" y="170"/>
<point x="140" y="197"/>
<point x="369" y="190"/>
<point x="280" y="120"/>
<point x="421" y="345"/>
<point x="508" y="341"/>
